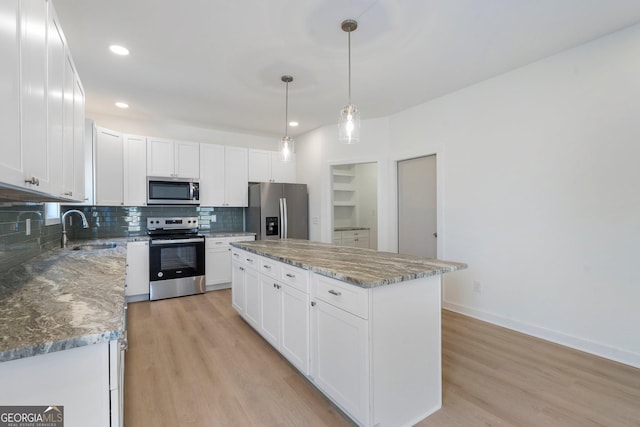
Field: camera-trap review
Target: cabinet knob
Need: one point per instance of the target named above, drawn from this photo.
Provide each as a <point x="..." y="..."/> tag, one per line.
<point x="313" y="303"/>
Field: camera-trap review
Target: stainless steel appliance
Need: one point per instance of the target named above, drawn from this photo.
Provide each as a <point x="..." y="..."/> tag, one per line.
<point x="176" y="257"/>
<point x="278" y="211"/>
<point x="172" y="191"/>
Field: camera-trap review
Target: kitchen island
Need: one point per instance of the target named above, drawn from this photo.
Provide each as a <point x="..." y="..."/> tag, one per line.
<point x="363" y="326"/>
<point x="62" y="329"/>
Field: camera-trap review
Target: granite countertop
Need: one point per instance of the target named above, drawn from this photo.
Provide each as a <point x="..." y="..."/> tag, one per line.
<point x="366" y="268"/>
<point x="350" y="228"/>
<point x="215" y="234"/>
<point x="63" y="299"/>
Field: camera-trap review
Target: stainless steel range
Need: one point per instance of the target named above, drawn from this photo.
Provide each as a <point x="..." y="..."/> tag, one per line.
<point x="176" y="257"/>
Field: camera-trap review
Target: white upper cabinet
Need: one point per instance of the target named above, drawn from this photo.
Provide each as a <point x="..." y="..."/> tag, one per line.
<point x="282" y="171"/>
<point x="41" y="104"/>
<point x="135" y="171"/>
<point x="11" y="171"/>
<point x="109" y="171"/>
<point x="78" y="192"/>
<point x="60" y="148"/>
<point x="33" y="69"/>
<point x="223" y="176"/>
<point x="236" y="177"/>
<point x="259" y="166"/>
<point x="266" y="166"/>
<point x="172" y="159"/>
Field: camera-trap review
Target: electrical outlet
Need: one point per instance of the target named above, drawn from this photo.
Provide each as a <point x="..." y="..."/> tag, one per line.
<point x="477" y="287"/>
<point x="27" y="227"/>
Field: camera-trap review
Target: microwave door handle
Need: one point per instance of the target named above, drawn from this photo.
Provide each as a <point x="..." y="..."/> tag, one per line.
<point x="286" y="222"/>
<point x="191" y="190"/>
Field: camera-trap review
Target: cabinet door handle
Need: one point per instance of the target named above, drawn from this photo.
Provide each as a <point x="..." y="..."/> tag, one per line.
<point x="241" y="268"/>
<point x="336" y="293"/>
<point x="249" y="260"/>
<point x="235" y="255"/>
<point x="32" y="181"/>
<point x="313" y="303"/>
<point x="268" y="267"/>
<point x="219" y="243"/>
<point x="293" y="276"/>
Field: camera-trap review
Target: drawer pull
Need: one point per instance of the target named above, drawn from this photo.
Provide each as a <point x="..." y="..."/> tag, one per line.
<point x="249" y="260"/>
<point x="236" y="255"/>
<point x="336" y="293"/>
<point x="268" y="267"/>
<point x="293" y="276"/>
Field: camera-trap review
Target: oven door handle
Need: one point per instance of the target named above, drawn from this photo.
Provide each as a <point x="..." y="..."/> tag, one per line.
<point x="176" y="241"/>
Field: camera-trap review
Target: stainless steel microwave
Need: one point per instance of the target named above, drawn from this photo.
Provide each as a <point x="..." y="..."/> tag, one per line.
<point x="172" y="191"/>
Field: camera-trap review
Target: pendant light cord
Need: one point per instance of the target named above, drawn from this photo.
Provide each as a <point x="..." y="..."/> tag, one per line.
<point x="349" y="33"/>
<point x="286" y="110"/>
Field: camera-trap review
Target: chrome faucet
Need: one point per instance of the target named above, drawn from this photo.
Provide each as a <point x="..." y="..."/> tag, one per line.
<point x="85" y="224"/>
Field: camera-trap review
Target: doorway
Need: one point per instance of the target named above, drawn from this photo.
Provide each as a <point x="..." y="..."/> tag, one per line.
<point x="417" y="209"/>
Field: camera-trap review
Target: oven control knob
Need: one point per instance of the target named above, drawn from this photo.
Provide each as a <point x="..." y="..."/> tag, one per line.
<point x="160" y="274"/>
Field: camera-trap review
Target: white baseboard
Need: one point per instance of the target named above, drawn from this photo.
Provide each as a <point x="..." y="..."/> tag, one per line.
<point x="608" y="352"/>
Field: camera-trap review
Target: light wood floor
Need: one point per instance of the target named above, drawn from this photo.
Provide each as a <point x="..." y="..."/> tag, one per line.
<point x="193" y="362"/>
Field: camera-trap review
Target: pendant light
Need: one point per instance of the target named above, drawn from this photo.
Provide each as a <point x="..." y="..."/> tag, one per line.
<point x="349" y="125"/>
<point x="286" y="142"/>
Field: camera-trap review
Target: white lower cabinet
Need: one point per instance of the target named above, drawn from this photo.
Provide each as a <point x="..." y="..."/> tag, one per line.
<point x="237" y="282"/>
<point x="252" y="306"/>
<point x="375" y="352"/>
<point x="218" y="260"/>
<point x="137" y="277"/>
<point x="340" y="358"/>
<point x="79" y="379"/>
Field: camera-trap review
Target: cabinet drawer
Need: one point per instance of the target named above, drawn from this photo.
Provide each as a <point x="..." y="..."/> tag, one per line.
<point x="296" y="277"/>
<point x="237" y="255"/>
<point x="270" y="267"/>
<point x="355" y="233"/>
<point x="241" y="238"/>
<point x="216" y="243"/>
<point x="350" y="298"/>
<point x="251" y="260"/>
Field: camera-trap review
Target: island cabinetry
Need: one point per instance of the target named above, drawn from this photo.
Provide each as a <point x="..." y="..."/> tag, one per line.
<point x="285" y="311"/>
<point x="245" y="286"/>
<point x="340" y="345"/>
<point x="172" y="159"/>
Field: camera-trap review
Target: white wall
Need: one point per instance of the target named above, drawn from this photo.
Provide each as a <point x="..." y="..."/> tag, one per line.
<point x="367" y="199"/>
<point x="178" y="131"/>
<point x="538" y="183"/>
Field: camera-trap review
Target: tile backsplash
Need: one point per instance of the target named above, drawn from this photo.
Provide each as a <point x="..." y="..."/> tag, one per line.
<point x="117" y="221"/>
<point x="16" y="246"/>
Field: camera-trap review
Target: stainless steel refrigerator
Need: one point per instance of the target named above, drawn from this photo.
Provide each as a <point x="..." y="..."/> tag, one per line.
<point x="278" y="211"/>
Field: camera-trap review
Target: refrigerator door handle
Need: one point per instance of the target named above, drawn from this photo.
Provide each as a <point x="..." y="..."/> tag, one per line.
<point x="286" y="225"/>
<point x="281" y="220"/>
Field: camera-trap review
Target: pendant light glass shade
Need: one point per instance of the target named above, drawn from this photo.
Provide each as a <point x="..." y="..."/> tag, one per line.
<point x="286" y="148"/>
<point x="286" y="142"/>
<point x="349" y="124"/>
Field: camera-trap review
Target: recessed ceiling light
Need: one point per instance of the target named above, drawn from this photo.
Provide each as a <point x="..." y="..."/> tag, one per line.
<point x="119" y="50"/>
<point x="293" y="124"/>
<point x="122" y="105"/>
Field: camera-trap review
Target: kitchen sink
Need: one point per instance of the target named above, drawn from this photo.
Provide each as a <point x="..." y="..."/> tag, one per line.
<point x="94" y="246"/>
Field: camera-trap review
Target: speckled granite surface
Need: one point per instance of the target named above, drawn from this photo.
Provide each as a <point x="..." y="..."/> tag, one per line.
<point x="213" y="234"/>
<point x="62" y="299"/>
<point x="366" y="268"/>
<point x="350" y="228"/>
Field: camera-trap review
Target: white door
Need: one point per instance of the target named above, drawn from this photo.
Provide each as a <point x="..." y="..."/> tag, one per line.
<point x="109" y="168"/>
<point x="135" y="170"/>
<point x="252" y="297"/>
<point x="212" y="170"/>
<point x="160" y="155"/>
<point x="236" y="177"/>
<point x="271" y="307"/>
<point x="187" y="163"/>
<point x="417" y="221"/>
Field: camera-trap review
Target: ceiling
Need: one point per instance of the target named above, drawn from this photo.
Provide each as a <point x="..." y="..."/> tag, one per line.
<point x="218" y="63"/>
